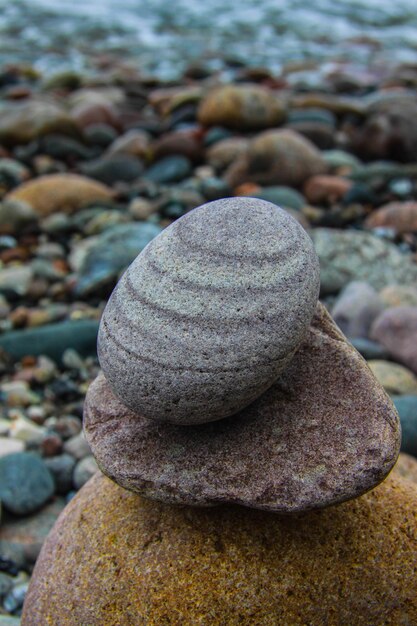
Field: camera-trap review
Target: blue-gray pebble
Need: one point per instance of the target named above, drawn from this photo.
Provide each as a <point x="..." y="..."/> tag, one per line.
<point x="25" y="483"/>
<point x="407" y="410"/>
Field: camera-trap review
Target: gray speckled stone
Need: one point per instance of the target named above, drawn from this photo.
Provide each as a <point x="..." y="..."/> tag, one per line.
<point x="347" y="255"/>
<point x="324" y="432"/>
<point x="210" y="312"/>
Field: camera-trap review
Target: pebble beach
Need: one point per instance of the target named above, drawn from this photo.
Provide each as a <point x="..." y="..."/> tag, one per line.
<point x="114" y="126"/>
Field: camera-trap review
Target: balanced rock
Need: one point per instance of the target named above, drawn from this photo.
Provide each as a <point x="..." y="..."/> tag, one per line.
<point x="324" y="432"/>
<point x="277" y="157"/>
<point x="210" y="313"/>
<point x="241" y="106"/>
<point x="115" y="558"/>
<point x="60" y="192"/>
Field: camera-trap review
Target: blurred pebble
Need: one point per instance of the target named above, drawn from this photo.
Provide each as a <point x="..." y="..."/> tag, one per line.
<point x="15" y="598"/>
<point x="84" y="470"/>
<point x="356" y="308"/>
<point x="171" y="169"/>
<point x="395" y="378"/>
<point x="370" y="350"/>
<point x="77" y="447"/>
<point x="62" y="468"/>
<point x="25" y="483"/>
<point x="8" y="446"/>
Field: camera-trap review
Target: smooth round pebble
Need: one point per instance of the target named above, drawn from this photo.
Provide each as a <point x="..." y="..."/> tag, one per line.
<point x="25" y="483"/>
<point x="210" y="313"/>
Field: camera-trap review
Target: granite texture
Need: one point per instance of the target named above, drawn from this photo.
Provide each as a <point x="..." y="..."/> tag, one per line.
<point x="323" y="433"/>
<point x="210" y="312"/>
<point x="115" y="558"/>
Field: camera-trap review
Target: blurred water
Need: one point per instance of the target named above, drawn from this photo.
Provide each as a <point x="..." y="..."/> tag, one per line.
<point x="163" y="37"/>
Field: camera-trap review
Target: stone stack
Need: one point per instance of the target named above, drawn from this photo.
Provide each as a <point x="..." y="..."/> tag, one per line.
<point x="225" y="382"/>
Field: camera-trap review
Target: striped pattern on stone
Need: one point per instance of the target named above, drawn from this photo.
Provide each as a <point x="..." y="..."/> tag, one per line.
<point x="210" y="313"/>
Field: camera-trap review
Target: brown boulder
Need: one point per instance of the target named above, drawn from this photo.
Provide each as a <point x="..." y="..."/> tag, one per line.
<point x="60" y="192"/>
<point x="115" y="558"/>
<point x="243" y="107"/>
<point x="277" y="157"/>
<point x="325" y="432"/>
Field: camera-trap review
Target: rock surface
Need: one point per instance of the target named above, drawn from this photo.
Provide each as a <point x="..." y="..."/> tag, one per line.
<point x="60" y="192"/>
<point x="296" y="448"/>
<point x="210" y="312"/>
<point x="148" y="563"/>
